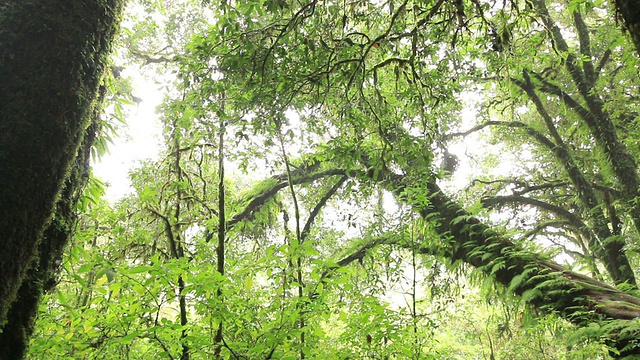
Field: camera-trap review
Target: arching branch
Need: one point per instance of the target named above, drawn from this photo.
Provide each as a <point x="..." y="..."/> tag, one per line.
<point x="543" y="283"/>
<point x="279" y="182"/>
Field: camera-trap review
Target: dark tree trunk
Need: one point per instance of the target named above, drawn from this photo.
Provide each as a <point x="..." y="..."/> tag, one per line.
<point x="41" y="276"/>
<point x="629" y="11"/>
<point x="52" y="57"/>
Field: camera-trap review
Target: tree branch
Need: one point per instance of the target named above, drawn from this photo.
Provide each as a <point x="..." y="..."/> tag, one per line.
<point x="316" y="210"/>
<point x="575" y="221"/>
<point x="168" y="230"/>
<point x="279" y="182"/>
<point x="585" y="47"/>
<point x="512" y="124"/>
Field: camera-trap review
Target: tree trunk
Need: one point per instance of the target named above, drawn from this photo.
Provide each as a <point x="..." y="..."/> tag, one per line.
<point x="52" y="57"/>
<point x="629" y="11"/>
<point x="41" y="276"/>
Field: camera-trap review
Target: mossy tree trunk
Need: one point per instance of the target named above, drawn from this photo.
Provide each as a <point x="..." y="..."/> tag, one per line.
<point x="52" y="57"/>
<point x="41" y="275"/>
<point x="608" y="313"/>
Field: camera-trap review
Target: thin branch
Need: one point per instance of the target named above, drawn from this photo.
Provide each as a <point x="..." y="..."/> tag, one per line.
<point x="148" y="59"/>
<point x="496" y="201"/>
<point x="164" y="347"/>
<point x="512" y="124"/>
<point x="296" y="19"/>
<point x="603" y="61"/>
<point x="316" y="210"/>
<point x="168" y="230"/>
<point x="520" y="186"/>
<point x="358" y="254"/>
<point x="585" y="47"/>
<point x="538" y="229"/>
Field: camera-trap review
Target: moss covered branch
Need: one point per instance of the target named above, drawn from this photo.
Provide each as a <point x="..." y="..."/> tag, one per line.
<point x="539" y="281"/>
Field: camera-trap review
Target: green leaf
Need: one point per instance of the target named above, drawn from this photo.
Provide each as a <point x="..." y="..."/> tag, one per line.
<point x="248" y="283"/>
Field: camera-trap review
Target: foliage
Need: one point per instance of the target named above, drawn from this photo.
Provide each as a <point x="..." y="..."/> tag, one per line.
<point x="302" y="206"/>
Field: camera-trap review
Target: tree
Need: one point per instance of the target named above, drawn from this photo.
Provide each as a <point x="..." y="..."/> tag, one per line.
<point x="53" y="57"/>
<point x="369" y="94"/>
<point x="376" y="83"/>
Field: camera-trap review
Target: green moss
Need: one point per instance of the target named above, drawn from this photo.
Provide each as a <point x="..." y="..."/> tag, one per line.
<point x="53" y="56"/>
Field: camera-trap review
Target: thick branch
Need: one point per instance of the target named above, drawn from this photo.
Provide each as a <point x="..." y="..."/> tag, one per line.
<point x="543" y="283"/>
<point x="608" y="250"/>
<point x="623" y="163"/>
<point x="299" y="176"/>
<point x="560" y="44"/>
<point x="256" y="202"/>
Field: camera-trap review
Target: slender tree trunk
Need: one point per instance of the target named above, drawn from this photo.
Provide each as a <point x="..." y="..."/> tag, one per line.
<point x="220" y="251"/>
<point x="178" y="243"/>
<point x="52" y="57"/>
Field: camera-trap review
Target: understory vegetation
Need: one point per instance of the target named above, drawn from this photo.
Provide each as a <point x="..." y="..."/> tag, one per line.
<point x="353" y="179"/>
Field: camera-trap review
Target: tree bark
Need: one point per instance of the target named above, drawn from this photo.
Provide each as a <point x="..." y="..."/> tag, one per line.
<point x="41" y="276"/>
<point x="52" y="57"/>
<point x="629" y="11"/>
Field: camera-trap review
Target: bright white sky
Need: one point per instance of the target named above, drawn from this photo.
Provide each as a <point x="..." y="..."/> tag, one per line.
<point x="140" y="140"/>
